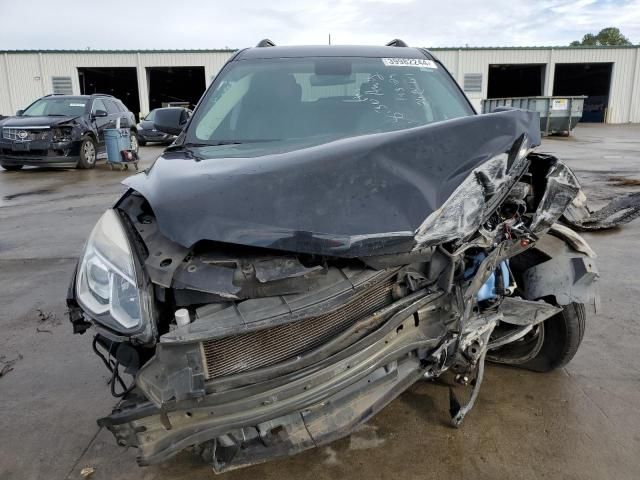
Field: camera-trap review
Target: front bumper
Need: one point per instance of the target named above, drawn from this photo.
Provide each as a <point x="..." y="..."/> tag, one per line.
<point x="238" y="423"/>
<point x="151" y="136"/>
<point x="38" y="154"/>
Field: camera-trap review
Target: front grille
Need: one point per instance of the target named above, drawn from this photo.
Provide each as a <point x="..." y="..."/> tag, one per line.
<point x="28" y="153"/>
<point x="25" y="134"/>
<point x="248" y="351"/>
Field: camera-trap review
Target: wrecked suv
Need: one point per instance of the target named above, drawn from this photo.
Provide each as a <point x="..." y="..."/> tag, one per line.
<point x="331" y="225"/>
<point x="62" y="131"/>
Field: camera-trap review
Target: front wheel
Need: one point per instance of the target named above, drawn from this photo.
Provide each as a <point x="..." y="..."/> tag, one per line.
<point x="549" y="345"/>
<point x="88" y="153"/>
<point x="135" y="143"/>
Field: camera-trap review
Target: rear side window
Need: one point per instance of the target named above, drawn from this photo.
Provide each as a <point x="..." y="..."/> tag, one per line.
<point x="98" y="104"/>
<point x="111" y="106"/>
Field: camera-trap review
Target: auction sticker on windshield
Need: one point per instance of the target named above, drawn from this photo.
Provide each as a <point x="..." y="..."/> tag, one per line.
<point x="409" y="62"/>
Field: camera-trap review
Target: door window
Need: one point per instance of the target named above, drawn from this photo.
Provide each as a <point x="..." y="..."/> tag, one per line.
<point x="112" y="108"/>
<point x="98" y="104"/>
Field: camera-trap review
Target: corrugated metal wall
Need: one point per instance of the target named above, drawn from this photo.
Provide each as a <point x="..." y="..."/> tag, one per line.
<point x="624" y="93"/>
<point x="624" y="97"/>
<point x="25" y="76"/>
<point x="29" y="74"/>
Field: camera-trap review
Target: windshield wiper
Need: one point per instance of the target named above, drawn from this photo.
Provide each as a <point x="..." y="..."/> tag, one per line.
<point x="240" y="142"/>
<point x="226" y="142"/>
<point x="57" y="115"/>
<point x="193" y="145"/>
<point x="219" y="143"/>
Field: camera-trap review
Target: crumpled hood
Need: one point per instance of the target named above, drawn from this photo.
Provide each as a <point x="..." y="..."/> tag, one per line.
<point x="352" y="197"/>
<point x="17" y="122"/>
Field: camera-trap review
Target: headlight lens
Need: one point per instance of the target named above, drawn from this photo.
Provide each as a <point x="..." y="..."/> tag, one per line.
<point x="106" y="285"/>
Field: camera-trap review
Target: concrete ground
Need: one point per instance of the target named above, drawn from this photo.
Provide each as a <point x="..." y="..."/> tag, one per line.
<point x="581" y="422"/>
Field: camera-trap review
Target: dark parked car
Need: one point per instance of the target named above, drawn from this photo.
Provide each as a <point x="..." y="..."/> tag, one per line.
<point x="330" y="226"/>
<point x="147" y="131"/>
<point x="62" y="130"/>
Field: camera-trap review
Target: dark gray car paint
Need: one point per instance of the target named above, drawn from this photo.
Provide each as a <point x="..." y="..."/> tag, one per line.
<point x="147" y="132"/>
<point x="358" y="196"/>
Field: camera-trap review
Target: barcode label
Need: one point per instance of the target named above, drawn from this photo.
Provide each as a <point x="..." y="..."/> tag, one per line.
<point x="409" y="62"/>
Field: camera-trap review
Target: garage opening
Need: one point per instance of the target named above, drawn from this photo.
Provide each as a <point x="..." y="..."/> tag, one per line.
<point x="175" y="85"/>
<point x="515" y="80"/>
<point x="121" y="82"/>
<point x="591" y="79"/>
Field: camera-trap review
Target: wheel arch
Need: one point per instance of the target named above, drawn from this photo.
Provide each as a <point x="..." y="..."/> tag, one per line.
<point x="90" y="134"/>
<point x="558" y="267"/>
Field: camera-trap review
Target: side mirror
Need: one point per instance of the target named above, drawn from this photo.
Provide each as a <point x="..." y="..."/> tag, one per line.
<point x="99" y="113"/>
<point x="170" y="120"/>
<point x="19" y="112"/>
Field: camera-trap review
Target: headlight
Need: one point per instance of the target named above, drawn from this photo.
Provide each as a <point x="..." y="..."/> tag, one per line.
<point x="62" y="134"/>
<point x="465" y="208"/>
<point x="108" y="286"/>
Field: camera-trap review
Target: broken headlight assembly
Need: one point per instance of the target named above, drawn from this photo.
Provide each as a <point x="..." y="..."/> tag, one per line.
<point x="62" y="134"/>
<point x="110" y="285"/>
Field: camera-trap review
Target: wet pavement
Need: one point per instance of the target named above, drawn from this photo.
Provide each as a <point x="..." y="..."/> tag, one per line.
<point x="580" y="422"/>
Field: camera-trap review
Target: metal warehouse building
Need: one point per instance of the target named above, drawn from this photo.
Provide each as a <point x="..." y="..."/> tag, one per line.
<point x="145" y="79"/>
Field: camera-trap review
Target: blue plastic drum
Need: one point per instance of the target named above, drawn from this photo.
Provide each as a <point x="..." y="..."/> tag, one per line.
<point x="116" y="140"/>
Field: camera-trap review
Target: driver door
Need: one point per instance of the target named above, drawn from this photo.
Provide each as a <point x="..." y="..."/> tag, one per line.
<point x="100" y="123"/>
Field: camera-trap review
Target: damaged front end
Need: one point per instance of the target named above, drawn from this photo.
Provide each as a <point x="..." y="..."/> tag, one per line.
<point x="251" y="335"/>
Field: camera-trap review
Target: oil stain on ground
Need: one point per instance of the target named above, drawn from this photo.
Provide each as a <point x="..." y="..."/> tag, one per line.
<point x="624" y="182"/>
<point x="41" y="191"/>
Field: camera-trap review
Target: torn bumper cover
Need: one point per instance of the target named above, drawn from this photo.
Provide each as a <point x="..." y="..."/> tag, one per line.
<point x="308" y="314"/>
<point x="619" y="211"/>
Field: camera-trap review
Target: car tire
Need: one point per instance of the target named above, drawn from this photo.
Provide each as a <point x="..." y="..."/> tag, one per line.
<point x="12" y="168"/>
<point x="88" y="153"/>
<point x="141" y="141"/>
<point x="135" y="141"/>
<point x="551" y="344"/>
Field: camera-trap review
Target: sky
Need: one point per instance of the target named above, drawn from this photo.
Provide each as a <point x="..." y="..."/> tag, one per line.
<point x="190" y="24"/>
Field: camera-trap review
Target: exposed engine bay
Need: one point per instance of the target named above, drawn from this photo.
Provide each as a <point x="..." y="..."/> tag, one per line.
<point x="248" y="337"/>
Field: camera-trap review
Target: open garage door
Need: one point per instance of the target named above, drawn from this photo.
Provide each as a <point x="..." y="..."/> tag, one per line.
<point x="175" y="85"/>
<point x="591" y="79"/>
<point x="121" y="82"/>
<point x="515" y="80"/>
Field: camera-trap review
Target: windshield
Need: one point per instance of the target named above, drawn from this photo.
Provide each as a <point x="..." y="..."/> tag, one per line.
<point x="324" y="98"/>
<point x="151" y="116"/>
<point x="52" y="106"/>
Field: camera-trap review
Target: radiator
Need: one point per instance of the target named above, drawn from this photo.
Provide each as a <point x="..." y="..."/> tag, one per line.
<point x="252" y="350"/>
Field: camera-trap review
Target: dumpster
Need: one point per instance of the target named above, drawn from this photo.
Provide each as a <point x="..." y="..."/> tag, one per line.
<point x="118" y="145"/>
<point x="558" y="115"/>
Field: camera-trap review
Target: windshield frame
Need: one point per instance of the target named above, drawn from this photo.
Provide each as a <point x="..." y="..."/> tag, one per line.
<point x="189" y="136"/>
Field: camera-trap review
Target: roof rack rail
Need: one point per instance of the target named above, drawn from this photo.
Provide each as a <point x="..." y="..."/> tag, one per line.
<point x="396" y="42"/>
<point x="52" y="94"/>
<point x="265" y="42"/>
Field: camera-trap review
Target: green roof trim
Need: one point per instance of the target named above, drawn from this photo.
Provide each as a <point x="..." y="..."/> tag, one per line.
<point x="203" y="50"/>
<point x="233" y="50"/>
<point x="550" y="47"/>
